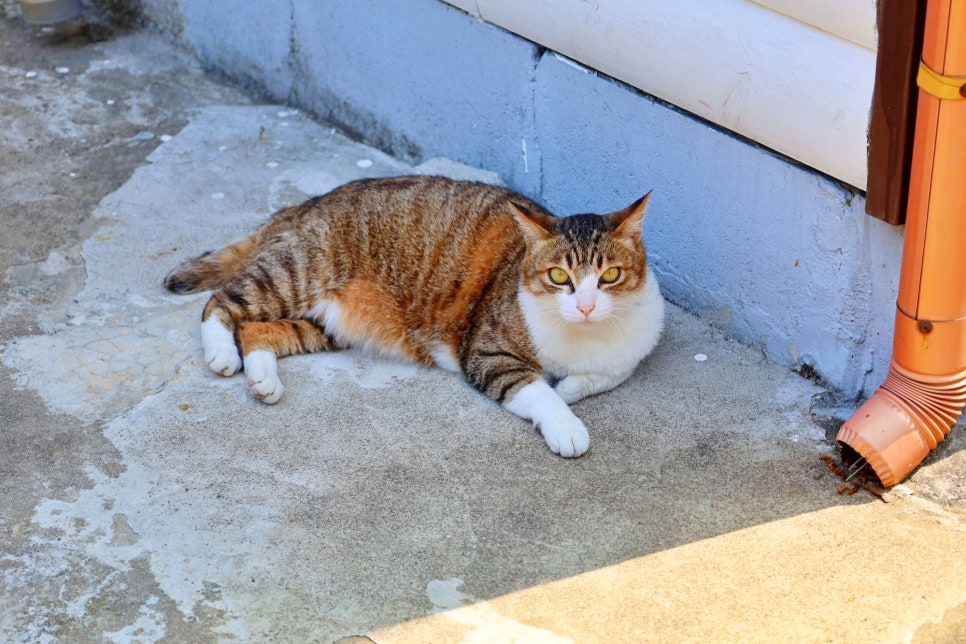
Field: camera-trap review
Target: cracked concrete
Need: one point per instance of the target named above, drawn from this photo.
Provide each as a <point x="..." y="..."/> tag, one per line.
<point x="145" y="499"/>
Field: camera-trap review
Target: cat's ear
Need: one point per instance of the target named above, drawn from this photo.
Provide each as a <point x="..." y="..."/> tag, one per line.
<point x="630" y="219"/>
<point x="534" y="225"/>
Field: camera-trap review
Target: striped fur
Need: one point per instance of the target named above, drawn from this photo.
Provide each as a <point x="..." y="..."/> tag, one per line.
<point x="431" y="270"/>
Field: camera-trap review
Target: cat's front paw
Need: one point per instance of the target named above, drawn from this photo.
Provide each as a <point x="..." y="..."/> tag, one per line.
<point x="261" y="367"/>
<point x="580" y="385"/>
<point x="566" y="436"/>
<point x="572" y="388"/>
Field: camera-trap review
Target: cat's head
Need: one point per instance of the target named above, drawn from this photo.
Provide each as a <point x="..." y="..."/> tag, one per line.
<point x="584" y="267"/>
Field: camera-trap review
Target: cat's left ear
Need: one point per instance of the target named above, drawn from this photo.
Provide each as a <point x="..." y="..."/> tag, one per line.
<point x="630" y="219"/>
<point x="534" y="225"/>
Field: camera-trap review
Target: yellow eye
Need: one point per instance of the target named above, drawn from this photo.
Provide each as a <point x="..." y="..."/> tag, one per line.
<point x="610" y="275"/>
<point x="558" y="276"/>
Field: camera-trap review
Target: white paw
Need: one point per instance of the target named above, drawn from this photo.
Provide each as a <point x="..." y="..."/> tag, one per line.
<point x="573" y="388"/>
<point x="566" y="436"/>
<point x="261" y="367"/>
<point x="224" y="361"/>
<point x="565" y="433"/>
<point x="221" y="354"/>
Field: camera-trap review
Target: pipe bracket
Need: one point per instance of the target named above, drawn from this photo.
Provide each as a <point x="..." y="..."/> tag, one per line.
<point x="952" y="88"/>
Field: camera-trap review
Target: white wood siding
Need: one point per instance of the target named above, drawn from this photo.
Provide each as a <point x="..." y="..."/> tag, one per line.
<point x="852" y="20"/>
<point x="794" y="75"/>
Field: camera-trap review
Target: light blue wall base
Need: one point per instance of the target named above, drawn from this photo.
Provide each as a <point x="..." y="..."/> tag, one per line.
<point x="773" y="253"/>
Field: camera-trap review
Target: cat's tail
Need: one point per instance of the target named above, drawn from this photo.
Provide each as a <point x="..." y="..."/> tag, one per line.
<point x="212" y="269"/>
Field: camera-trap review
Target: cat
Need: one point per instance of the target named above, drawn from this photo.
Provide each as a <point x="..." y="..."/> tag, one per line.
<point x="534" y="310"/>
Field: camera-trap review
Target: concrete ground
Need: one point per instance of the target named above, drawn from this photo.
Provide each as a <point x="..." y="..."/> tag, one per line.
<point x="144" y="499"/>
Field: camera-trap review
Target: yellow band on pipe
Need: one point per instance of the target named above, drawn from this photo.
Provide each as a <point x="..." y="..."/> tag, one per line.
<point x="944" y="87"/>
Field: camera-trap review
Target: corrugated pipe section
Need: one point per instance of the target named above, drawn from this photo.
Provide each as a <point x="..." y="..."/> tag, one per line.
<point x="925" y="390"/>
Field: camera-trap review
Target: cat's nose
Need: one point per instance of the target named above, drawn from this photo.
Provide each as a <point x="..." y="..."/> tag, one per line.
<point x="586" y="309"/>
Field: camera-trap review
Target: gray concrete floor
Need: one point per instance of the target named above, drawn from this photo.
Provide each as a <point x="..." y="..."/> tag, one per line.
<point x="145" y="499"/>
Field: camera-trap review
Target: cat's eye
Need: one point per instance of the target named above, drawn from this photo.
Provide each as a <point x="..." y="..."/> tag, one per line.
<point x="611" y="275"/>
<point x="558" y="276"/>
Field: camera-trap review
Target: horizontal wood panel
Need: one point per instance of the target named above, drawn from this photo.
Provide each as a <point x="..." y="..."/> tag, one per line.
<point x="802" y="91"/>
<point x="852" y="20"/>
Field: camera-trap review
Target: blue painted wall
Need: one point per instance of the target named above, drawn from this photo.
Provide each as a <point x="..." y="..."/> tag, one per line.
<point x="775" y="254"/>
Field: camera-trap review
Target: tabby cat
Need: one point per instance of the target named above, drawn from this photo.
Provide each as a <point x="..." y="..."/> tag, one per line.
<point x="536" y="311"/>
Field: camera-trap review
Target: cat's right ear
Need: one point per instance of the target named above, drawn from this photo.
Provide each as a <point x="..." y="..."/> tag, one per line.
<point x="629" y="219"/>
<point x="535" y="226"/>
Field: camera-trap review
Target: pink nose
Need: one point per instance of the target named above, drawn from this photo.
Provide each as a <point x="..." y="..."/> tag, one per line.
<point x="586" y="309"/>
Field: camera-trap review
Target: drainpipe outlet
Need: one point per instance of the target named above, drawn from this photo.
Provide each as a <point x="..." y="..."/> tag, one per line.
<point x="904" y="420"/>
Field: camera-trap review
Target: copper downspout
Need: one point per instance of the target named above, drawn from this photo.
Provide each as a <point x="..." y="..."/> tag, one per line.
<point x="925" y="390"/>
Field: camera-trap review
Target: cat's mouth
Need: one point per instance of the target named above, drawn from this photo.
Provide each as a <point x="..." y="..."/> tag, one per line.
<point x="583" y="322"/>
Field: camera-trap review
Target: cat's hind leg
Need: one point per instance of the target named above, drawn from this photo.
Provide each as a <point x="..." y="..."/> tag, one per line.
<point x="262" y="343"/>
<point x="218" y="342"/>
<point x="264" y="291"/>
<point x="235" y="303"/>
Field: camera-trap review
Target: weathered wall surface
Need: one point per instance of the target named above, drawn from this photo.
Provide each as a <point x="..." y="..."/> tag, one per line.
<point x="774" y="253"/>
